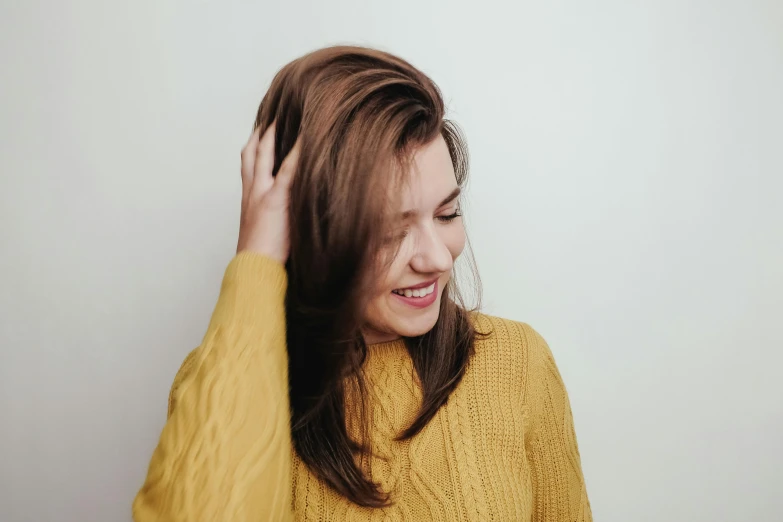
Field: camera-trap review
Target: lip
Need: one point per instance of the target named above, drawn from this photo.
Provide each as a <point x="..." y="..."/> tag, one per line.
<point x="419" y="302"/>
<point x="425" y="284"/>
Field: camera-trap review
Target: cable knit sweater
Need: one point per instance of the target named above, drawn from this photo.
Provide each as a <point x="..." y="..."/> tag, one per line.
<point x="503" y="448"/>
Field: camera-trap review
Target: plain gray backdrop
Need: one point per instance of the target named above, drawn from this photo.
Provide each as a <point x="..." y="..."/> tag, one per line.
<point x="625" y="201"/>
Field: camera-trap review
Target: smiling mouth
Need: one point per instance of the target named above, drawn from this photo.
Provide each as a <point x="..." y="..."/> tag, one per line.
<point x="416" y="292"/>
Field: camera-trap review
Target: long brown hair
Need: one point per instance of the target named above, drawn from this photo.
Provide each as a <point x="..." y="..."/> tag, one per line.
<point x="359" y="114"/>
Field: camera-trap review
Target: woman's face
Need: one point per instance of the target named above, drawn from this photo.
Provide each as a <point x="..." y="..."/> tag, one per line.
<point x="432" y="237"/>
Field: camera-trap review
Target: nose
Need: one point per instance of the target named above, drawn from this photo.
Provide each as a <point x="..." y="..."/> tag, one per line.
<point x="431" y="254"/>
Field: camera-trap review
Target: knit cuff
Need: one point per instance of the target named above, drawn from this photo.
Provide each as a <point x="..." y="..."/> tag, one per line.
<point x="254" y="286"/>
<point x="253" y="271"/>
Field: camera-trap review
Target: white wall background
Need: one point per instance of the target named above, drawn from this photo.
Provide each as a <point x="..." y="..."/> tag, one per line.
<point x="625" y="201"/>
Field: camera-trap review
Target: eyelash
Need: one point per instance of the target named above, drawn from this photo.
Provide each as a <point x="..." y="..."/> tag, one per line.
<point x="442" y="219"/>
<point x="450" y="217"/>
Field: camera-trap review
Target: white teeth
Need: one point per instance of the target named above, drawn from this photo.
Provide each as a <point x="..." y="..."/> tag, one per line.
<point x="416" y="292"/>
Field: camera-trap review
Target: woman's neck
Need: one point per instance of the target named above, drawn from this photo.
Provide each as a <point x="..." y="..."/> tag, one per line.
<point x="375" y="337"/>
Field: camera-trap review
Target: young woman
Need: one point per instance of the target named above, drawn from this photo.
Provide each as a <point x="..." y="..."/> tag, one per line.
<point x="341" y="376"/>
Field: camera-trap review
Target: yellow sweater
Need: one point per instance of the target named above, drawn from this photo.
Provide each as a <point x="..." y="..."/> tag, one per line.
<point x="503" y="447"/>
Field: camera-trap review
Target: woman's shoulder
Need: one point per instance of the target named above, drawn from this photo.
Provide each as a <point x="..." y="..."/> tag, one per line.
<point x="511" y="359"/>
<point x="503" y="331"/>
<point x="509" y="343"/>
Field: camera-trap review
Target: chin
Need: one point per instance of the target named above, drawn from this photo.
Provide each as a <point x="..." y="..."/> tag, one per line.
<point x="419" y="324"/>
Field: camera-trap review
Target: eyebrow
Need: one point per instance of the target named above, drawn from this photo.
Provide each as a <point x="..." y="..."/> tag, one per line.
<point x="448" y="199"/>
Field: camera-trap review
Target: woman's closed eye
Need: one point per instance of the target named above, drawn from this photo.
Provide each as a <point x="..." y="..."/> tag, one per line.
<point x="450" y="217"/>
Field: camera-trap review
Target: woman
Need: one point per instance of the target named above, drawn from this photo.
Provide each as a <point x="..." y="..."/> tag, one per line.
<point x="339" y="378"/>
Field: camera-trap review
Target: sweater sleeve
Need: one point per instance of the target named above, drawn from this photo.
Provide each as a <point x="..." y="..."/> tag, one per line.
<point x="559" y="493"/>
<point x="225" y="451"/>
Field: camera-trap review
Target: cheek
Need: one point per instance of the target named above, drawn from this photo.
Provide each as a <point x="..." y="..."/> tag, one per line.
<point x="390" y="277"/>
<point x="455" y="239"/>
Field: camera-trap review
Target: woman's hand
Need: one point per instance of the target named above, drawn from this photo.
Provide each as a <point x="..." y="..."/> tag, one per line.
<point x="264" y="226"/>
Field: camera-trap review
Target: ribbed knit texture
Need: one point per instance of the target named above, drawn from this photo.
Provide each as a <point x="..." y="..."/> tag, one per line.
<point x="503" y="448"/>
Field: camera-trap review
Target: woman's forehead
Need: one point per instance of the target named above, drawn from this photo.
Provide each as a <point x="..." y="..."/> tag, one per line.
<point x="430" y="180"/>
